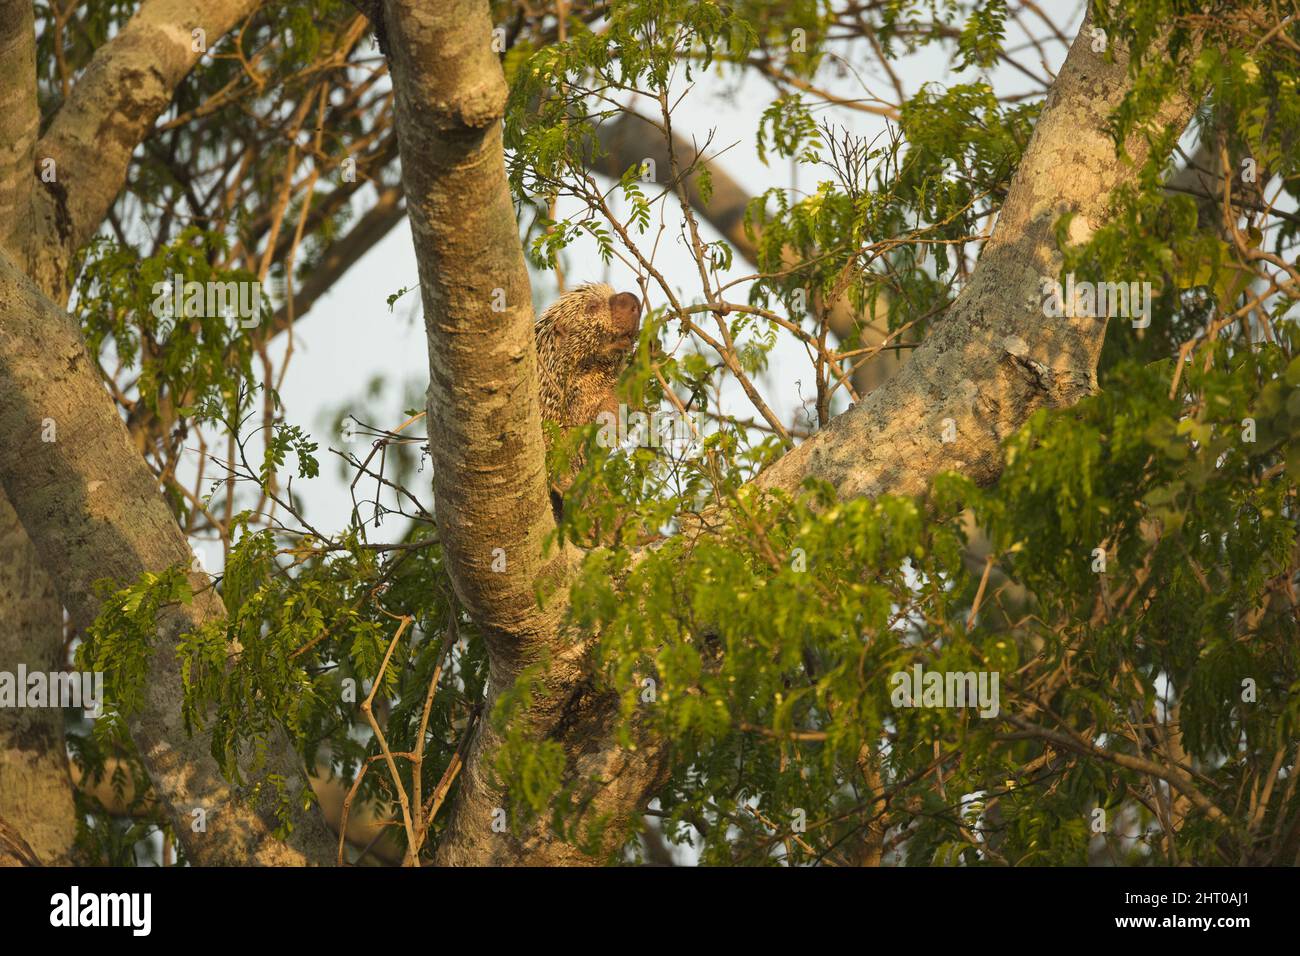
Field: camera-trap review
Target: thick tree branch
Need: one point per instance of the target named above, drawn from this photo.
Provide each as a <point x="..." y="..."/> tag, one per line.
<point x="129" y="82"/>
<point x="20" y="118"/>
<point x="92" y="509"/>
<point x="35" y="789"/>
<point x="491" y="498"/>
<point x="485" y="428"/>
<point x="995" y="358"/>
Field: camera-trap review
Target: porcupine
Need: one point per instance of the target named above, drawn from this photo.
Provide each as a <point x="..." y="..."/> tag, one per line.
<point x="584" y="340"/>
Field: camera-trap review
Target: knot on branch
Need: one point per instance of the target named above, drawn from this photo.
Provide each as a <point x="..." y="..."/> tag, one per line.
<point x="476" y="106"/>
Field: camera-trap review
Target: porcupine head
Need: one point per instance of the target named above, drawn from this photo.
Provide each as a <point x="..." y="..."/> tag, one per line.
<point x="584" y="341"/>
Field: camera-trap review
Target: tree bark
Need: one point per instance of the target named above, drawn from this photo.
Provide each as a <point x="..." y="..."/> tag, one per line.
<point x="109" y="112"/>
<point x="490" y="490"/>
<point x="92" y="508"/>
<point x="995" y="358"/>
<point x="14" y="850"/>
<point x="35" y="788"/>
<point x="20" y="118"/>
<point x="87" y="501"/>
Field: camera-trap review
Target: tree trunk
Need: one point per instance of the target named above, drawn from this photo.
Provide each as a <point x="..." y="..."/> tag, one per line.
<point x="35" y="787"/>
<point x="87" y="500"/>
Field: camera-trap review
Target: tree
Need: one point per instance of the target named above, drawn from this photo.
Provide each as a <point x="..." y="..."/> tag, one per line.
<point x="1027" y="599"/>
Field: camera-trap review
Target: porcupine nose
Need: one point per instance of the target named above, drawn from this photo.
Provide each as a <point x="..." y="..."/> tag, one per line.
<point x="625" y="311"/>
